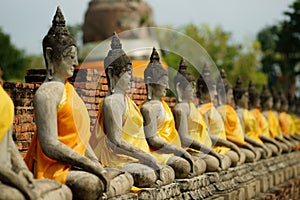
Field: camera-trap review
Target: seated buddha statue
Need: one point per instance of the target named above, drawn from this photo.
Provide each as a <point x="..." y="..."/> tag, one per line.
<point x="262" y="123"/>
<point x="191" y="124"/>
<point x="60" y="148"/>
<point x="274" y="127"/>
<point x="16" y="181"/>
<point x="233" y="127"/>
<point x="213" y="119"/>
<point x="118" y="139"/>
<point x="286" y="122"/>
<point x="159" y="124"/>
<point x="248" y="120"/>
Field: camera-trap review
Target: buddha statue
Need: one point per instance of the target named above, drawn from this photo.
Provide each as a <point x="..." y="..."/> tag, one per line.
<point x="159" y="124"/>
<point x="262" y="123"/>
<point x="233" y="126"/>
<point x="118" y="139"/>
<point x="248" y="120"/>
<point x="274" y="127"/>
<point x="60" y="148"/>
<point x="213" y="119"/>
<point x="16" y="181"/>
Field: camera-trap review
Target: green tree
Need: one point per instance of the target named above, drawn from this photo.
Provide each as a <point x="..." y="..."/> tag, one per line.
<point x="281" y="53"/>
<point x="12" y="60"/>
<point x="236" y="59"/>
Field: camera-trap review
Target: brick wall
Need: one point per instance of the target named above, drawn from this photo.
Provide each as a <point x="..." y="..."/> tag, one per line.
<point x="91" y="85"/>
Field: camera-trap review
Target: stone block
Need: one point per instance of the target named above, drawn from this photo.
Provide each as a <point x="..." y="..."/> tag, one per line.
<point x="250" y="189"/>
<point x="129" y="196"/>
<point x="164" y="192"/>
<point x="264" y="184"/>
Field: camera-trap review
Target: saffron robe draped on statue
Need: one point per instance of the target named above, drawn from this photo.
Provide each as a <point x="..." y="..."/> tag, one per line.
<point x="73" y="125"/>
<point x="132" y="132"/>
<point x="7" y="113"/>
<point x="287" y="124"/>
<point x="273" y="124"/>
<point x="233" y="128"/>
<point x="263" y="125"/>
<point x="215" y="125"/>
<point x="251" y="126"/>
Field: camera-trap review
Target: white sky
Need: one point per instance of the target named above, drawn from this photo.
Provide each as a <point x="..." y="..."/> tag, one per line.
<point x="28" y="21"/>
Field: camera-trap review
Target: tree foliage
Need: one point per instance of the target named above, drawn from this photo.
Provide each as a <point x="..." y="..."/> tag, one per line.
<point x="12" y="60"/>
<point x="281" y="52"/>
<point x="236" y="59"/>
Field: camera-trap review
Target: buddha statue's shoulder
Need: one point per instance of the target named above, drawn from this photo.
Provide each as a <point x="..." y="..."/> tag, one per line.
<point x="181" y="108"/>
<point x="152" y="106"/>
<point x="52" y="90"/>
<point x="114" y="102"/>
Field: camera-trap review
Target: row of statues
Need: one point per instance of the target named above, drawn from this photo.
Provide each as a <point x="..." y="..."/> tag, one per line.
<point x="135" y="147"/>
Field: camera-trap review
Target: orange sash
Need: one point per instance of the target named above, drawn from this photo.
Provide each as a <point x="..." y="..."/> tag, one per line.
<point x="73" y="125"/>
<point x="263" y="126"/>
<point x="7" y="113"/>
<point x="287" y="124"/>
<point x="233" y="128"/>
<point x="251" y="126"/>
<point x="166" y="129"/>
<point x="216" y="125"/>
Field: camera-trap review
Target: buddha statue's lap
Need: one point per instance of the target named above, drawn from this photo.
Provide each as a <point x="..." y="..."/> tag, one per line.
<point x="60" y="148"/>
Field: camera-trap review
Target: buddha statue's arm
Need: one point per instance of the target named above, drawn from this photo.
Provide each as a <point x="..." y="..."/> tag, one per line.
<point x="221" y="142"/>
<point x="112" y="118"/>
<point x="46" y="101"/>
<point x="150" y="129"/>
<point x="256" y="144"/>
<point x="181" y="123"/>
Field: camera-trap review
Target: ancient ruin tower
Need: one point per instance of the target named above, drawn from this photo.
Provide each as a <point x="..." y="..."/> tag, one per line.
<point x="103" y="17"/>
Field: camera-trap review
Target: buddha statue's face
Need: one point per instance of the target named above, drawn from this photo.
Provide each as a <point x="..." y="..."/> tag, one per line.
<point x="189" y="92"/>
<point x="160" y="88"/>
<point x="123" y="82"/>
<point x="67" y="63"/>
<point x="229" y="96"/>
<point x="269" y="103"/>
<point x="277" y="105"/>
<point x="243" y="102"/>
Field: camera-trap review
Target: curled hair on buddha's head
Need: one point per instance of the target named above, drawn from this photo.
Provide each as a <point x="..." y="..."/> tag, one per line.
<point x="183" y="78"/>
<point x="116" y="62"/>
<point x="253" y="95"/>
<point x="238" y="90"/>
<point x="56" y="41"/>
<point x="154" y="72"/>
<point x="205" y="82"/>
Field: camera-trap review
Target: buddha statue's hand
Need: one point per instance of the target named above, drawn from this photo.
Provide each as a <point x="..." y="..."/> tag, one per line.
<point x="27" y="175"/>
<point x="188" y="157"/>
<point x="105" y="178"/>
<point x="267" y="152"/>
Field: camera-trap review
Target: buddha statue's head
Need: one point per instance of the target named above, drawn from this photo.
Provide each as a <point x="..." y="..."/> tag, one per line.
<point x="284" y="103"/>
<point x="276" y="100"/>
<point x="184" y="83"/>
<point x="59" y="45"/>
<point x="254" y="99"/>
<point x="206" y="86"/>
<point x="266" y="99"/>
<point x="155" y="77"/>
<point x="224" y="89"/>
<point x="116" y="63"/>
<point x="292" y="103"/>
<point x="240" y="94"/>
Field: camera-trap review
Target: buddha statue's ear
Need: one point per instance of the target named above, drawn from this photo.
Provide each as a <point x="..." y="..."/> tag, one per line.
<point x="148" y="88"/>
<point x="49" y="63"/>
<point x="111" y="80"/>
<point x="178" y="92"/>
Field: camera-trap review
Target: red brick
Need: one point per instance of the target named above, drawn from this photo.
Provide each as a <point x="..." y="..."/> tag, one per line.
<point x="17" y="129"/>
<point x="23" y="136"/>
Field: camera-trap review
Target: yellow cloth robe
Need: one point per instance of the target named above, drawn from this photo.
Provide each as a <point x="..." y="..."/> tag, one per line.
<point x="251" y="126"/>
<point x="73" y="125"/>
<point x="287" y="124"/>
<point x="132" y="132"/>
<point x="215" y="125"/>
<point x="263" y="124"/>
<point x="7" y="113"/>
<point x="233" y="128"/>
<point x="273" y="124"/>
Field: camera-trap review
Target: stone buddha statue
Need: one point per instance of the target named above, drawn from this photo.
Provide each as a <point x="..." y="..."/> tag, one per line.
<point x="248" y="120"/>
<point x="16" y="181"/>
<point x="159" y="124"/>
<point x="191" y="124"/>
<point x="262" y="123"/>
<point x="274" y="127"/>
<point x="214" y="121"/>
<point x="60" y="148"/>
<point x="118" y="139"/>
<point x="233" y="126"/>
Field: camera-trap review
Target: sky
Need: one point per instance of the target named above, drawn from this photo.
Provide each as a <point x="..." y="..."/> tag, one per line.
<point x="28" y="21"/>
